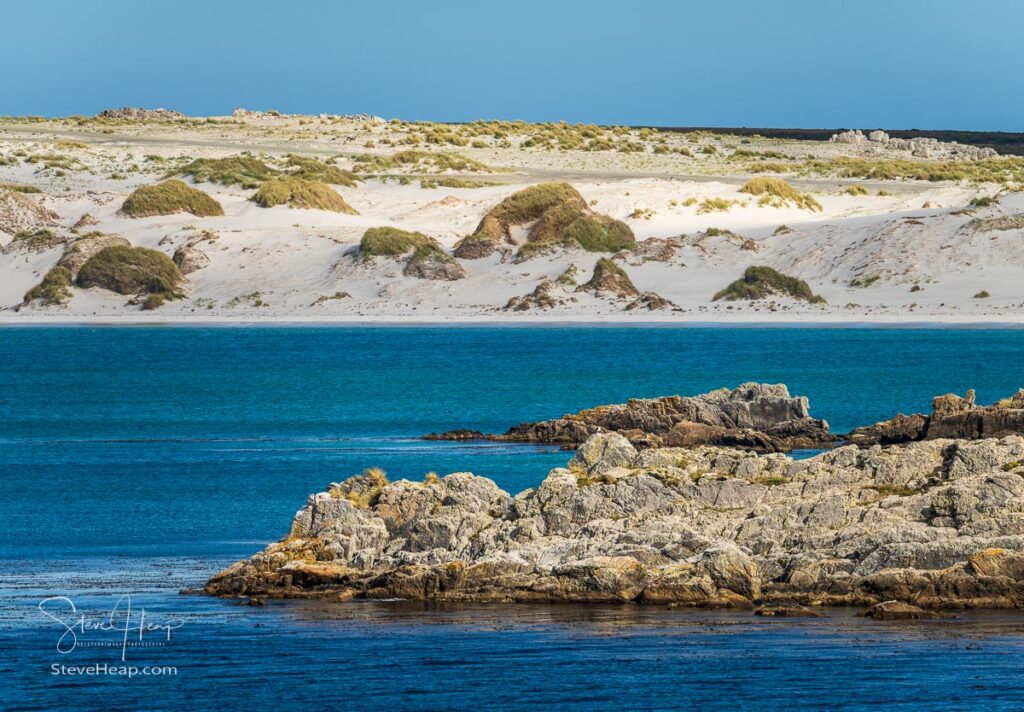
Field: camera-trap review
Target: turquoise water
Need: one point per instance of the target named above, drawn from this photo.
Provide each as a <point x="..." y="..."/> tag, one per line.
<point x="142" y="460"/>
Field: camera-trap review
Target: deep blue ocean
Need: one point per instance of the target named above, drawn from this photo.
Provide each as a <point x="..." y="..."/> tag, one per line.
<point x="141" y="460"/>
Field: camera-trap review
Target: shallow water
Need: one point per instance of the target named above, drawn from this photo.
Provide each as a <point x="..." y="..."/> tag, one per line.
<point x="142" y="460"/>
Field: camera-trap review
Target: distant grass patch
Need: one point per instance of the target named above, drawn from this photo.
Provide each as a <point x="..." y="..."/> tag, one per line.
<point x="983" y="294"/>
<point x="855" y="189"/>
<point x="599" y="233"/>
<point x="776" y="192"/>
<point x="988" y="170"/>
<point x="132" y="270"/>
<point x="762" y="282"/>
<point x="392" y="242"/>
<point x="299" y="193"/>
<point x="168" y="198"/>
<point x="20" y="188"/>
<point x="54" y="289"/>
<point x="865" y="281"/>
<point x="243" y="171"/>
<point x="715" y="205"/>
<point x="428" y="183"/>
<point x="312" y="169"/>
<point x="983" y="201"/>
<point x="426" y="161"/>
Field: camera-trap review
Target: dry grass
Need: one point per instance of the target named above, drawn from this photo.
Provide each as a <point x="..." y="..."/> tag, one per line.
<point x="392" y="242"/>
<point x="528" y="205"/>
<point x="168" y="198"/>
<point x="54" y="289"/>
<point x="777" y="193"/>
<point x="300" y="193"/>
<point x="244" y="171"/>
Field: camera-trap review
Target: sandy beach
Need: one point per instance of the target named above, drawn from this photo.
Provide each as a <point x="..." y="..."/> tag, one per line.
<point x="876" y="250"/>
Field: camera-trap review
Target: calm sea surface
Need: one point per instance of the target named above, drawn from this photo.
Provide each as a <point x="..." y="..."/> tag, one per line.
<point x="139" y="461"/>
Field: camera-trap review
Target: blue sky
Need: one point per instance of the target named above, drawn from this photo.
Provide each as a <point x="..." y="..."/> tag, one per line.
<point x="895" y="64"/>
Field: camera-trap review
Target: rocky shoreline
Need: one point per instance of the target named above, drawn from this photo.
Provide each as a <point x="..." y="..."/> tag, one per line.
<point x="935" y="524"/>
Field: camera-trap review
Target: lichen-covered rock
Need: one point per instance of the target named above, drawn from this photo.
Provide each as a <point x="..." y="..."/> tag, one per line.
<point x="190" y="258"/>
<point x="928" y="525"/>
<point x="433" y="263"/>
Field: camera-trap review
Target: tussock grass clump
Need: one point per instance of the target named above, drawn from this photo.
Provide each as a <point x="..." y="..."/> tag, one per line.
<point x="599" y="233"/>
<point x="312" y="169"/>
<point x="778" y="193"/>
<point x="132" y="270"/>
<point x="425" y="161"/>
<point x="855" y="189"/>
<point x="244" y="171"/>
<point x="528" y="205"/>
<point x="168" y="198"/>
<point x="54" y="289"/>
<point x="300" y="193"/>
<point x="392" y="242"/>
<point x="761" y="282"/>
<point x="983" y="294"/>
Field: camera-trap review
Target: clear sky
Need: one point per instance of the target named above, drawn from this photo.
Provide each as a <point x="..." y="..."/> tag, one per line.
<point x="787" y="63"/>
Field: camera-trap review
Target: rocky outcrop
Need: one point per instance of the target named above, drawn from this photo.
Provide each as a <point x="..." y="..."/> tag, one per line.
<point x="920" y="146"/>
<point x="433" y="263"/>
<point x="951" y="417"/>
<point x="651" y="301"/>
<point x="933" y="525"/>
<point x="132" y="113"/>
<point x="609" y="280"/>
<point x="547" y="295"/>
<point x="190" y="258"/>
<point x="755" y="416"/>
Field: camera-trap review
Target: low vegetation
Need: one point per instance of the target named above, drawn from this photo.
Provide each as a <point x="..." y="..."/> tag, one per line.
<point x="312" y="169"/>
<point x="762" y="282"/>
<point x="715" y="205"/>
<point x="777" y="193"/>
<point x="168" y="198"/>
<point x="988" y="170"/>
<point x="243" y="171"/>
<point x="39" y="240"/>
<point x="855" y="189"/>
<point x="300" y="193"/>
<point x="132" y="270"/>
<point x="429" y="183"/>
<point x="20" y="188"/>
<point x="392" y="242"/>
<point x="420" y="161"/>
<point x="54" y="289"/>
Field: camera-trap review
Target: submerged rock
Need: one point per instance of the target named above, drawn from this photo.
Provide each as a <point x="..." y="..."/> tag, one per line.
<point x="938" y="524"/>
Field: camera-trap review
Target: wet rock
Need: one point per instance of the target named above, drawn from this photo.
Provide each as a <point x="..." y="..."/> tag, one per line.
<point x="900" y="611"/>
<point x="783" y="610"/>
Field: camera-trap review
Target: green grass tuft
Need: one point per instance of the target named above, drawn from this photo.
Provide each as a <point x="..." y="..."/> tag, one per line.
<point x="20" y="188"/>
<point x="132" y="270"/>
<point x="54" y="289"/>
<point x="168" y="198"/>
<point x="300" y="193"/>
<point x="423" y="161"/>
<point x="392" y="242"/>
<point x="761" y="282"/>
